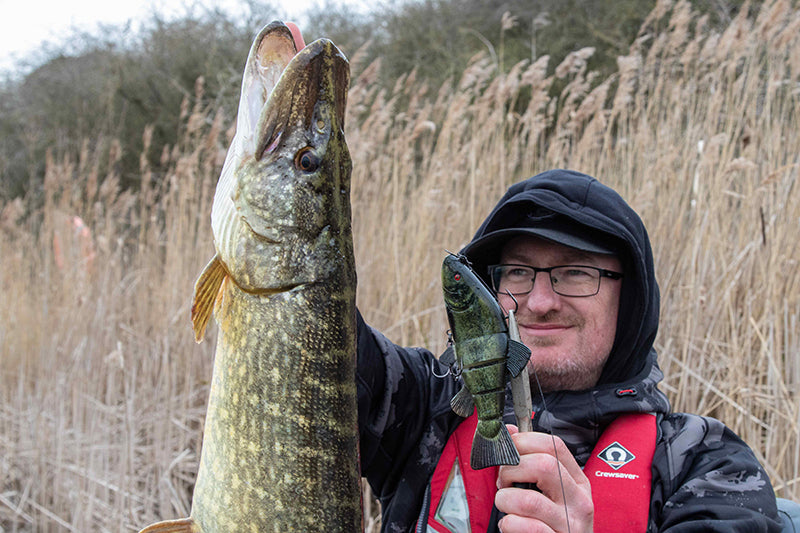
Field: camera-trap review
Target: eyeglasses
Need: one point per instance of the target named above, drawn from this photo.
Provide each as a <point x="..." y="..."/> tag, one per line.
<point x="566" y="280"/>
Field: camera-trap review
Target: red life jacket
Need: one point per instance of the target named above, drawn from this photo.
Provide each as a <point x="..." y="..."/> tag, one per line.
<point x="619" y="470"/>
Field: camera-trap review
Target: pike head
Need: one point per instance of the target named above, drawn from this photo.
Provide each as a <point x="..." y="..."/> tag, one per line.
<point x="282" y="201"/>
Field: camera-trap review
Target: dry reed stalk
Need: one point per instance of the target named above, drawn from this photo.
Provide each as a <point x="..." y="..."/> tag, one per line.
<point x="102" y="391"/>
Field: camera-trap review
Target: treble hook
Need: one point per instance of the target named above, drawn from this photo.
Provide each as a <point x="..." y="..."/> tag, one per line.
<point x="516" y="304"/>
<point x="433" y="371"/>
<point x="450" y="371"/>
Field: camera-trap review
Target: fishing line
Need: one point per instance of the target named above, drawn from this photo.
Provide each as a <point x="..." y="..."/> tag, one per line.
<point x="544" y="408"/>
<point x="555" y="449"/>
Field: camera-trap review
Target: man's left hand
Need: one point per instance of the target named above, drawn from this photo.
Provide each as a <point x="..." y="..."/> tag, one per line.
<point x="563" y="494"/>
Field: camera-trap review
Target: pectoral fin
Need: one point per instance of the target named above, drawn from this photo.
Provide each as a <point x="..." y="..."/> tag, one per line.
<point x="518" y="356"/>
<point x="206" y="290"/>
<point x="462" y="403"/>
<point x="184" y="525"/>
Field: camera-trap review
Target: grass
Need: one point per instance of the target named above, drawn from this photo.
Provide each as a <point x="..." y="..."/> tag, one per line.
<point x="103" y="391"/>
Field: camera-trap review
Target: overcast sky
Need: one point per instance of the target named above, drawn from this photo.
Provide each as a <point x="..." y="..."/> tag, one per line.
<point x="25" y="24"/>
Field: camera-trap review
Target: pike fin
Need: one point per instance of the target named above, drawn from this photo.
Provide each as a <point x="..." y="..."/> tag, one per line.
<point x="448" y="358"/>
<point x="462" y="403"/>
<point x="518" y="356"/>
<point x="206" y="291"/>
<point x="493" y="452"/>
<point x="184" y="525"/>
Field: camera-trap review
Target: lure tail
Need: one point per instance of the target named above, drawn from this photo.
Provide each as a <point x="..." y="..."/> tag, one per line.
<point x="497" y="451"/>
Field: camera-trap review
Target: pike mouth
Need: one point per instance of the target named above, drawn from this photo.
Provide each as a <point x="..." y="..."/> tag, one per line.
<point x="317" y="73"/>
<point x="272" y="291"/>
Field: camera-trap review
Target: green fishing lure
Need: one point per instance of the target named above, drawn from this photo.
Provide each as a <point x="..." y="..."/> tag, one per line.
<point x="484" y="356"/>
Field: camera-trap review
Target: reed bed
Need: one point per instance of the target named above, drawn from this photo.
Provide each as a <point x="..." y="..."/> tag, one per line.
<point x="103" y="391"/>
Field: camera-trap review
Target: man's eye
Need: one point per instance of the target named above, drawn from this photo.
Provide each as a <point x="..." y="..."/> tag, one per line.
<point x="576" y="273"/>
<point x="517" y="273"/>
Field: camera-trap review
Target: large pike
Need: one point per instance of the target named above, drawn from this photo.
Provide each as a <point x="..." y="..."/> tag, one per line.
<point x="280" y="441"/>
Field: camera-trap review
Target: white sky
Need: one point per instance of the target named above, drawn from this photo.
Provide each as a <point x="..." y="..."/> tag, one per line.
<point x="25" y="24"/>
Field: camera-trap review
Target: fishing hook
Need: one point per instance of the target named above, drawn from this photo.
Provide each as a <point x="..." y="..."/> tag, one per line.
<point x="462" y="258"/>
<point x="451" y="370"/>
<point x="433" y="371"/>
<point x="516" y="304"/>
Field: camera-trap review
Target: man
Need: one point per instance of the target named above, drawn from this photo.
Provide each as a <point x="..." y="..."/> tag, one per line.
<point x="590" y="328"/>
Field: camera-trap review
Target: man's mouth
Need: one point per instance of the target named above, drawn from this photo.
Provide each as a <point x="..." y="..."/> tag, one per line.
<point x="544" y="329"/>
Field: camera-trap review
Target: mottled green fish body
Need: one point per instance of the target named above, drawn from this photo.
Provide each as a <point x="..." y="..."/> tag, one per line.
<point x="485" y="356"/>
<point x="280" y="448"/>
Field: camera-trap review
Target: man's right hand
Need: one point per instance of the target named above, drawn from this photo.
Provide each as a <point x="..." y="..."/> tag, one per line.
<point x="565" y="490"/>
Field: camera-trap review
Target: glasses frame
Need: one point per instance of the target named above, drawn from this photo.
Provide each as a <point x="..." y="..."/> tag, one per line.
<point x="603" y="273"/>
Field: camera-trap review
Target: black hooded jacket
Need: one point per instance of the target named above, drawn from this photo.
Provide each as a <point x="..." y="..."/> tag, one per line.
<point x="704" y="477"/>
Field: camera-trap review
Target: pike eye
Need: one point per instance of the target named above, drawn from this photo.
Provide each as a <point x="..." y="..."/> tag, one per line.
<point x="306" y="160"/>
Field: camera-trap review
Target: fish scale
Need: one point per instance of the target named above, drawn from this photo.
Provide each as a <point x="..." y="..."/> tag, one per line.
<point x="288" y="401"/>
<point x="280" y="442"/>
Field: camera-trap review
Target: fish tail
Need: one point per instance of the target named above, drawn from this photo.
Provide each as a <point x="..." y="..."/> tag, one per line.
<point x="496" y="451"/>
<point x="183" y="525"/>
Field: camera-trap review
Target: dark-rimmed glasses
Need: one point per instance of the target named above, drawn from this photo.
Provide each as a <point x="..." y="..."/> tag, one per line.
<point x="566" y="280"/>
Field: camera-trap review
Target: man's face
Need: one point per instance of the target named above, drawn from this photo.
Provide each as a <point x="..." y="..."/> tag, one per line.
<point x="570" y="337"/>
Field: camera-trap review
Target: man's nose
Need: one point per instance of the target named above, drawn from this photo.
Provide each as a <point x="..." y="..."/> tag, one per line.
<point x="542" y="298"/>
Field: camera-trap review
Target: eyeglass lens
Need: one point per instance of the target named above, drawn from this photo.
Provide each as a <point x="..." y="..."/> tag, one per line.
<point x="565" y="280"/>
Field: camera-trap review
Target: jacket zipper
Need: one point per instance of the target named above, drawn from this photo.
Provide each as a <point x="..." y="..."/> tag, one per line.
<point x="422" y="521"/>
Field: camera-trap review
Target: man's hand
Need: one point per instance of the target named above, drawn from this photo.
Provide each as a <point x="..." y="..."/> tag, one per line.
<point x="531" y="511"/>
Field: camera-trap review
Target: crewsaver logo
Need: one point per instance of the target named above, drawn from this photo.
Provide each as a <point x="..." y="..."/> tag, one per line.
<point x="616" y="456"/>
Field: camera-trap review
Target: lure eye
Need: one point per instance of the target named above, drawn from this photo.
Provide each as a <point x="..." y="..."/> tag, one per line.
<point x="306" y="160"/>
<point x="457" y="277"/>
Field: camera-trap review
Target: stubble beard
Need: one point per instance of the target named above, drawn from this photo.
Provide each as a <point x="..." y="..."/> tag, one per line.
<point x="568" y="373"/>
<point x="571" y="375"/>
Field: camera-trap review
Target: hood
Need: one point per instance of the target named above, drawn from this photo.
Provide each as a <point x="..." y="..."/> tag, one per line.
<point x="607" y="218"/>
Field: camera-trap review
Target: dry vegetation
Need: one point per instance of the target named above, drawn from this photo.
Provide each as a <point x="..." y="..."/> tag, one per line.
<point x="102" y="389"/>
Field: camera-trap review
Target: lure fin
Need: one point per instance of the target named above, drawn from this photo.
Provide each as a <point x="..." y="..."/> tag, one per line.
<point x="206" y="290"/>
<point x="493" y="452"/>
<point x="518" y="356"/>
<point x="184" y="525"/>
<point x="448" y="358"/>
<point x="462" y="403"/>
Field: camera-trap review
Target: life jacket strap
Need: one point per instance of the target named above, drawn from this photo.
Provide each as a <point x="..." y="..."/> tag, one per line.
<point x="620" y="472"/>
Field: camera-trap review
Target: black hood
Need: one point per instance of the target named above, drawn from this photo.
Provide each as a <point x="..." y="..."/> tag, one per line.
<point x="583" y="201"/>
